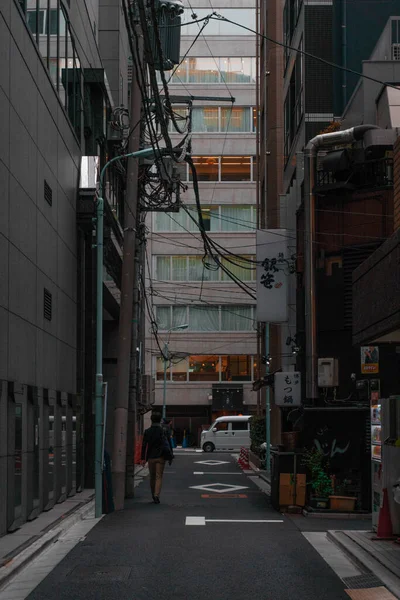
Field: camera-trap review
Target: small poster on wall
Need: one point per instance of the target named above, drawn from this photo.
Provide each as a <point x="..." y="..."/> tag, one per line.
<point x="369" y="360"/>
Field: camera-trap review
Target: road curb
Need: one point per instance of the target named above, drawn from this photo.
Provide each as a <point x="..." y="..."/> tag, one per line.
<point x="14" y="562"/>
<point x="365" y="561"/>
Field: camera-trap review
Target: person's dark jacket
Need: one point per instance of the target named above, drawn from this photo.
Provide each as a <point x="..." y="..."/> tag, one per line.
<point x="153" y="440"/>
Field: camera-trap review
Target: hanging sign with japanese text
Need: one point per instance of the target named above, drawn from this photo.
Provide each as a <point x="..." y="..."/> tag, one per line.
<point x="288" y="389"/>
<point x="274" y="266"/>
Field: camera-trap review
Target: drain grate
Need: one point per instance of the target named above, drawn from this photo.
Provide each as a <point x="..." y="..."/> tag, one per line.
<point x="99" y="573"/>
<point x="359" y="582"/>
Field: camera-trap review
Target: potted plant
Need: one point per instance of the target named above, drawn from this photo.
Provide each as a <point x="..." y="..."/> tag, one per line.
<point x="339" y="500"/>
<point x="320" y="481"/>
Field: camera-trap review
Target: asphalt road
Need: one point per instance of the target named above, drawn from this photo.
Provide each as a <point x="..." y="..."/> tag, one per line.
<point x="147" y="552"/>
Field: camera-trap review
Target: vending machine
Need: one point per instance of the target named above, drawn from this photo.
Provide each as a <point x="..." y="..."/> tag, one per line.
<point x="376" y="458"/>
<point x="385" y="456"/>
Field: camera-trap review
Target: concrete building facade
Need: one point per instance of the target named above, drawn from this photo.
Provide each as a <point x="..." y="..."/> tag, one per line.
<point x="213" y="361"/>
<point x="51" y="77"/>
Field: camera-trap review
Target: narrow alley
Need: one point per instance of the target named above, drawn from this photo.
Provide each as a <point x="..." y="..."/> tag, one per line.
<point x="213" y="534"/>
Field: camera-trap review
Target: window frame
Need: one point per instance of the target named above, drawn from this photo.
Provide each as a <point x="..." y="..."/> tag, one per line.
<point x="222" y="276"/>
<point x="160" y="378"/>
<point x="184" y="66"/>
<point x="190" y="226"/>
<point x="221" y="309"/>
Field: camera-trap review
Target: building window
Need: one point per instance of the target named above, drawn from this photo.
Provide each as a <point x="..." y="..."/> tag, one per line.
<point x="236" y="368"/>
<point x="201" y="70"/>
<point x="291" y="14"/>
<point x="243" y="270"/>
<point x="224" y="168"/>
<point x="49" y="26"/>
<point x="235" y="168"/>
<point x="206" y="119"/>
<point x="215" y="119"/>
<point x="293" y="107"/>
<point x="226" y="218"/>
<point x="244" y="16"/>
<point x="200" y="317"/>
<point x="214" y="70"/>
<point x="193" y="268"/>
<point x="202" y="368"/>
<point x="236" y="70"/>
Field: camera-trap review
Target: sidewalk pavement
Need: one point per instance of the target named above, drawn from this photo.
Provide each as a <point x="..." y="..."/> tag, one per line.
<point x="381" y="557"/>
<point x="20" y="548"/>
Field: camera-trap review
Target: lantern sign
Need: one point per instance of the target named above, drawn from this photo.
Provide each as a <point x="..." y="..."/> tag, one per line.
<point x="288" y="389"/>
<point x="274" y="266"/>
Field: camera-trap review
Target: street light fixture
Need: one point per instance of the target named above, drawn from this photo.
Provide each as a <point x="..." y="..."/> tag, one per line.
<point x="99" y="325"/>
<point x="166" y="357"/>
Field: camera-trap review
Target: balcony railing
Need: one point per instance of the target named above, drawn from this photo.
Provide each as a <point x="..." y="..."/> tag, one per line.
<point x="369" y="174"/>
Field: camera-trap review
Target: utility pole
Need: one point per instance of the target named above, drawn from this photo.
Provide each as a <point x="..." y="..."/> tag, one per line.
<point x="127" y="292"/>
<point x="133" y="372"/>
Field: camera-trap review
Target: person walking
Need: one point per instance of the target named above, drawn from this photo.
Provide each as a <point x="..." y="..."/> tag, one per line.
<point x="156" y="450"/>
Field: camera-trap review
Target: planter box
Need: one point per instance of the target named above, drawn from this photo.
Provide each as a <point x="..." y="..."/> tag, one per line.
<point x="342" y="503"/>
<point x="318" y="502"/>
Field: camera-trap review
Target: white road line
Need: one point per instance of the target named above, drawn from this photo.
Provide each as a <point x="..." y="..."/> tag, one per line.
<point x="195" y="521"/>
<point x="201" y="521"/>
<point x="216" y="473"/>
<point x="332" y="554"/>
<point x="244" y="520"/>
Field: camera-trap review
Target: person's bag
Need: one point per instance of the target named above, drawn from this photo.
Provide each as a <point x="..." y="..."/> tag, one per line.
<point x="166" y="451"/>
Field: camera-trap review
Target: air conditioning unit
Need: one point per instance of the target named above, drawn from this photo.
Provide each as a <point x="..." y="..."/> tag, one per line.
<point x="148" y="391"/>
<point x="328" y="372"/>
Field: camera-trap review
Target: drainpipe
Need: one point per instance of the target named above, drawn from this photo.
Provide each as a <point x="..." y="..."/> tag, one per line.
<point x="324" y="140"/>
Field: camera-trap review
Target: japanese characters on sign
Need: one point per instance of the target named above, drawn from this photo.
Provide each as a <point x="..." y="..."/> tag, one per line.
<point x="274" y="266"/>
<point x="288" y="389"/>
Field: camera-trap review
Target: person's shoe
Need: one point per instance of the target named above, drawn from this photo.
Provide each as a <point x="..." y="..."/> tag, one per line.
<point x="156" y="500"/>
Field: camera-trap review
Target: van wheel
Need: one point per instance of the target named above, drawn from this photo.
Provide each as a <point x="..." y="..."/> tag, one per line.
<point x="208" y="447"/>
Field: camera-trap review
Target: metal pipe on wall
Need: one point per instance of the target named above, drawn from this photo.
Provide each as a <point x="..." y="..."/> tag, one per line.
<point x="325" y="140"/>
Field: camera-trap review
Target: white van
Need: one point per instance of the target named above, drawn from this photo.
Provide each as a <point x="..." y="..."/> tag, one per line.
<point x="227" y="433"/>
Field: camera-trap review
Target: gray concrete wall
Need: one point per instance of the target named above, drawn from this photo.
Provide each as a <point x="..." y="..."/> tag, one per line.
<point x="37" y="247"/>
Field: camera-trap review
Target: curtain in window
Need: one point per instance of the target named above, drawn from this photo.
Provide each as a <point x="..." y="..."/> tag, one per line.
<point x="241" y="269"/>
<point x="236" y="119"/>
<point x="236" y="218"/>
<point x="179" y="316"/>
<point x="179" y="268"/>
<point x="205" y="119"/>
<point x="236" y="318"/>
<point x="199" y="272"/>
<point x="177" y="221"/>
<point x="204" y="318"/>
<point x="162" y="222"/>
<point x="163" y="268"/>
<point x="203" y="70"/>
<point x="163" y="314"/>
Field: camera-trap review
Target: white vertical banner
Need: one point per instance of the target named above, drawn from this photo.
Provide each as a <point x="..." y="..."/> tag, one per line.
<point x="274" y="265"/>
<point x="288" y="389"/>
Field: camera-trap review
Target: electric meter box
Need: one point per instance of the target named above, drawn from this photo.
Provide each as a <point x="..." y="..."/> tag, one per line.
<point x="328" y="372"/>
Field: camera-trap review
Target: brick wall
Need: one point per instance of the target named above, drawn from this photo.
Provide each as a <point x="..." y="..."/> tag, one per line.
<point x="396" y="186"/>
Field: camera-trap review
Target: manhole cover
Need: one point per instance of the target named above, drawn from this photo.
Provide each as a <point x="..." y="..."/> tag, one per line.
<point x="98" y="573"/>
<point x="359" y="582"/>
